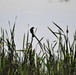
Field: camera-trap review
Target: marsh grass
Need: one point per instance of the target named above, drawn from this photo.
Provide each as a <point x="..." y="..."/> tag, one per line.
<point x="42" y="63"/>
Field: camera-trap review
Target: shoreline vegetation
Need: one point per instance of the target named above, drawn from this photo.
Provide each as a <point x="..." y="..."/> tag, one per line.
<point x="42" y="63"/>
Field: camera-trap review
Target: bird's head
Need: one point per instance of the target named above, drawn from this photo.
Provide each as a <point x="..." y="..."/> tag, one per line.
<point x="32" y="27"/>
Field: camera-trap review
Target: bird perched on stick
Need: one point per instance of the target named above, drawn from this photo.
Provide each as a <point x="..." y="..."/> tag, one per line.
<point x="33" y="35"/>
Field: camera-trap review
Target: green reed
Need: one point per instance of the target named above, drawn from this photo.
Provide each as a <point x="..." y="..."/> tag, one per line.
<point x="27" y="62"/>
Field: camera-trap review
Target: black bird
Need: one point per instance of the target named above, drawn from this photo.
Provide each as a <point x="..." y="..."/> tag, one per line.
<point x="32" y="31"/>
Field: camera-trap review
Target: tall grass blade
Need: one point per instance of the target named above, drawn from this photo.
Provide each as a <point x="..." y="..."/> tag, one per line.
<point x="23" y="42"/>
<point x="53" y="32"/>
<point x="58" y="26"/>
